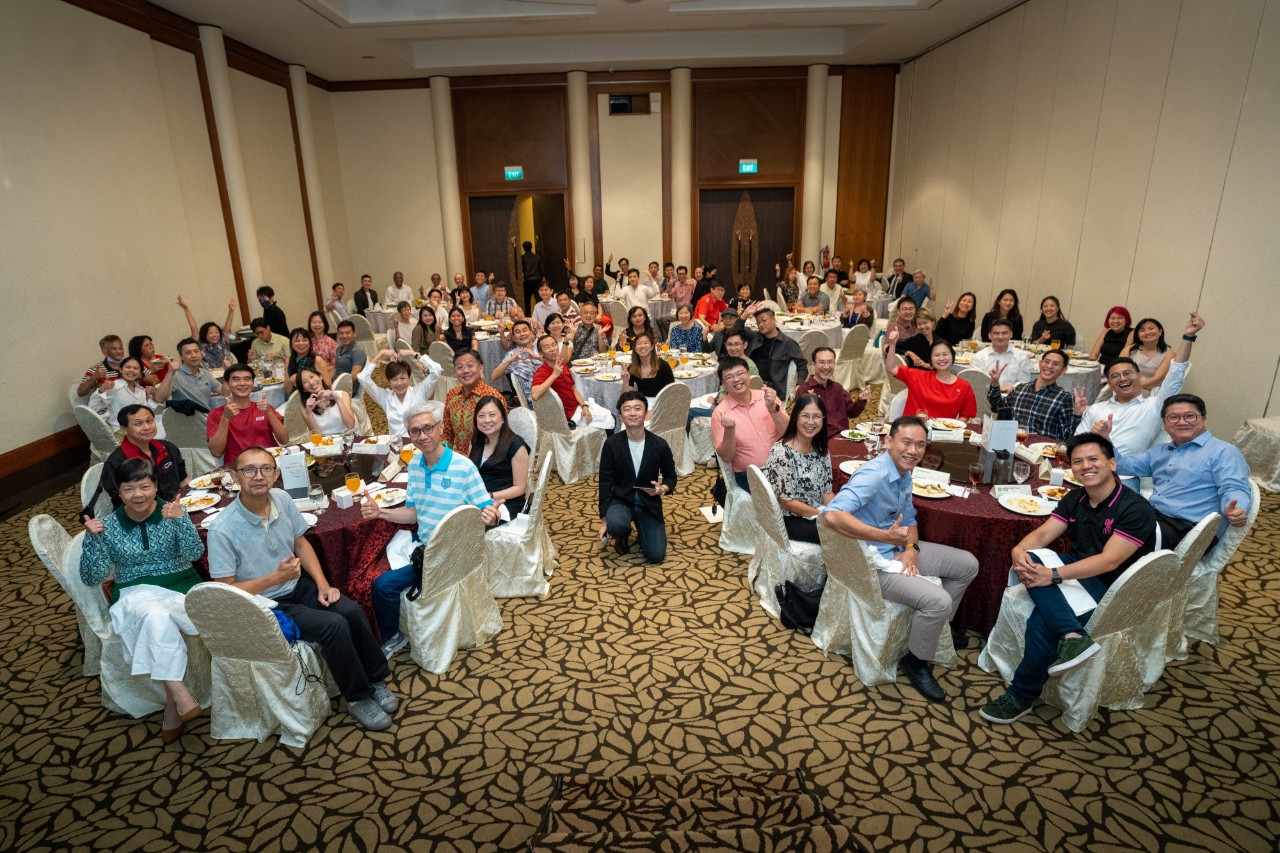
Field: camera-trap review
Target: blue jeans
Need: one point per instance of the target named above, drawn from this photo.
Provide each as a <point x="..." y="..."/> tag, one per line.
<point x="740" y="477"/>
<point x="650" y="529"/>
<point x="387" y="588"/>
<point x="696" y="412"/>
<point x="1052" y="618"/>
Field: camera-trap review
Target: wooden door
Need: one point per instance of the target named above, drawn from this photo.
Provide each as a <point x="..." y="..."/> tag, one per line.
<point x="492" y="220"/>
<point x="745" y="232"/>
<point x="551" y="238"/>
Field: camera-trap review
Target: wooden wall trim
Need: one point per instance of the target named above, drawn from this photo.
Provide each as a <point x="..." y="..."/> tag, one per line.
<point x="865" y="149"/>
<point x="160" y="24"/>
<point x="380" y="85"/>
<point x="306" y="198"/>
<point x="252" y="61"/>
<point x="65" y="441"/>
<point x="775" y="72"/>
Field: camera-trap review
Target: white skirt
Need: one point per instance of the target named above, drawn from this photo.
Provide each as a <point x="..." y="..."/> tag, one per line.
<point x="151" y="620"/>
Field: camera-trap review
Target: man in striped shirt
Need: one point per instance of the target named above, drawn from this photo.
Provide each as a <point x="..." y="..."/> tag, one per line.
<point x="440" y="480"/>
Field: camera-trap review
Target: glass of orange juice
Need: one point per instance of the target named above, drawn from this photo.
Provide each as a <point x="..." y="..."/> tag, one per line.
<point x="684" y="358"/>
<point x="626" y="347"/>
<point x="613" y="353"/>
<point x="666" y="347"/>
<point x="316" y="438"/>
<point x="353" y="482"/>
<point x="1055" y="344"/>
<point x="406" y="455"/>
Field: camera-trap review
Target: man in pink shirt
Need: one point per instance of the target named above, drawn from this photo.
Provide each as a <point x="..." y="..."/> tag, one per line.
<point x="746" y="423"/>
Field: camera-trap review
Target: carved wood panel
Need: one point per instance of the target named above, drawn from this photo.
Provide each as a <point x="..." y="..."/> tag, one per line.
<point x="524" y="127"/>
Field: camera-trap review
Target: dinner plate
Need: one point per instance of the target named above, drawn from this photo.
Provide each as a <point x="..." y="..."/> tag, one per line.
<point x="686" y="374"/>
<point x="963" y="359"/>
<point x="947" y="423"/>
<point x="582" y="362"/>
<point x="848" y="466"/>
<point x="210" y="519"/>
<point x="1084" y="362"/>
<point x="855" y="435"/>
<point x="585" y="370"/>
<point x="310" y="518"/>
<point x="1044" y="449"/>
<point x="1026" y="504"/>
<point x="272" y="381"/>
<point x="198" y="501"/>
<point x="931" y="489"/>
<point x="389" y="497"/>
<point x="608" y="377"/>
<point x="326" y="442"/>
<point x="1069" y="477"/>
<point x="204" y="482"/>
<point x="865" y="426"/>
<point x="1054" y="493"/>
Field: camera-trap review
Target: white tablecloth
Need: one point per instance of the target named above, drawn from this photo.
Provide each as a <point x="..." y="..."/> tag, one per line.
<point x="378" y="320"/>
<point x="831" y="328"/>
<point x="492" y="354"/>
<point x="606" y="393"/>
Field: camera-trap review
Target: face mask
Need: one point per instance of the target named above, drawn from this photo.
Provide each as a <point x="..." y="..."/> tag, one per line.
<point x="264" y="302"/>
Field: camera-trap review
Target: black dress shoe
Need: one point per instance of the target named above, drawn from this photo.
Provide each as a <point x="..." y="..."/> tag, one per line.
<point x="959" y="639"/>
<point x="922" y="679"/>
<point x="622" y="543"/>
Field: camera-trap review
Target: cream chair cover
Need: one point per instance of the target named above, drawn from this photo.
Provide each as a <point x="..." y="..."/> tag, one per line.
<point x="771" y="305"/>
<point x="442" y="354"/>
<point x="293" y="420"/>
<point x="618" y="313"/>
<point x="576" y="451"/>
<point x="811" y="340"/>
<point x="190" y="435"/>
<point x="854" y="619"/>
<point x="122" y="691"/>
<point x="757" y="383"/>
<point x="979" y="382"/>
<point x="896" y="406"/>
<point x="88" y="485"/>
<point x="667" y="421"/>
<point x="261" y="686"/>
<point x="1200" y="619"/>
<point x="791" y="383"/>
<point x="50" y="541"/>
<point x="102" y="438"/>
<point x="699" y="448"/>
<point x="737" y="528"/>
<point x="455" y="608"/>
<point x="519" y="554"/>
<point x="895" y="384"/>
<point x="1121" y="625"/>
<point x="1259" y="441"/>
<point x="74" y="396"/>
<point x="777" y="558"/>
<point x="343" y="382"/>
<point x="523" y="423"/>
<point x="849" y="358"/>
<point x="360" y="412"/>
<point x="1190" y="551"/>
<point x="364" y="335"/>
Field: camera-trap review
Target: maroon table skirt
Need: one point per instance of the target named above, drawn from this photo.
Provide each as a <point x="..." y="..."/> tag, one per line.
<point x="977" y="524"/>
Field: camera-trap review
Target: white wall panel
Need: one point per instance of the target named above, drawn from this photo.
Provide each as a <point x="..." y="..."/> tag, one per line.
<point x="939" y="67"/>
<point x="630" y="157"/>
<point x="831" y="163"/>
<point x="897" y="164"/>
<point x="948" y="270"/>
<point x="335" y="205"/>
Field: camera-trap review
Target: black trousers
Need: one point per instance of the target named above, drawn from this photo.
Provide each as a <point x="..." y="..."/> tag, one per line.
<point x="343" y="634"/>
<point x="801" y="529"/>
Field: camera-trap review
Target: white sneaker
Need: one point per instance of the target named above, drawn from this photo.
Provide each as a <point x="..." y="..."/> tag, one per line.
<point x="369" y="714"/>
<point x="393" y="644"/>
<point x="384" y="697"/>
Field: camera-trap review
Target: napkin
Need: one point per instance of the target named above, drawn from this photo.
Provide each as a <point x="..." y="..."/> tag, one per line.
<point x="1072" y="590"/>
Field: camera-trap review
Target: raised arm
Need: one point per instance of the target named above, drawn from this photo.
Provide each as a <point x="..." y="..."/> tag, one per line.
<point x="191" y="318"/>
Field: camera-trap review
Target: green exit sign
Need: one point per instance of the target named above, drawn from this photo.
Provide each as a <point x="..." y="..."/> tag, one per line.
<point x="513" y="173"/>
<point x="747" y="167"/>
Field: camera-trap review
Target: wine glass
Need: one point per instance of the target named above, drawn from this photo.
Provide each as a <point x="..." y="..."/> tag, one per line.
<point x="975" y="474"/>
<point x="395" y="444"/>
<point x="315" y="494"/>
<point x="1021" y="471"/>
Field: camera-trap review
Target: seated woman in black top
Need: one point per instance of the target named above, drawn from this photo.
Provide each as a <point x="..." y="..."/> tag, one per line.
<point x="1052" y="326"/>
<point x="1115" y="335"/>
<point x="648" y="373"/>
<point x="918" y="348"/>
<point x="1005" y="307"/>
<point x="459" y="335"/>
<point x="501" y="455"/>
<point x="957" y="323"/>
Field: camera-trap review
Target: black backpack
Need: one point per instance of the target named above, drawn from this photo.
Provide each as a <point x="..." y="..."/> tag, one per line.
<point x="797" y="608"/>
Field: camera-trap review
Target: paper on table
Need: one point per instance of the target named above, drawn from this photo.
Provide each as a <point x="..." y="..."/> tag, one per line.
<point x="1076" y="595"/>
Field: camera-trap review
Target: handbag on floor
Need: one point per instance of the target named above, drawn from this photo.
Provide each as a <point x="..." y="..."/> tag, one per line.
<point x="797" y="608"/>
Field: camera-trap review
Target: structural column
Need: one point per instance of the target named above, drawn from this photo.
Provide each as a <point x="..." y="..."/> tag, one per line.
<point x="815" y="131"/>
<point x="583" y="250"/>
<point x="682" y="166"/>
<point x="311" y="175"/>
<point x="224" y="115"/>
<point x="455" y="252"/>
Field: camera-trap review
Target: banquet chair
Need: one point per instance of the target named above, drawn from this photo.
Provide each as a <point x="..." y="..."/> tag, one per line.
<point x="1104" y="393"/>
<point x="293" y="420"/>
<point x="189" y="434"/>
<point x="855" y="620"/>
<point x="1190" y="551"/>
<point x="441" y="352"/>
<point x="359" y="411"/>
<point x="576" y="451"/>
<point x="849" y="358"/>
<point x="777" y="558"/>
<point x="519" y="554"/>
<point x="75" y="398"/>
<point x="89" y="492"/>
<point x="401" y="345"/>
<point x="1112" y="677"/>
<point x="791" y="384"/>
<point x="618" y="313"/>
<point x="261" y="686"/>
<point x="51" y="541"/>
<point x="979" y="382"/>
<point x="102" y="438"/>
<point x="699" y="446"/>
<point x="1200" y="619"/>
<point x="810" y="341"/>
<point x="667" y="420"/>
<point x="520" y="397"/>
<point x="455" y="607"/>
<point x="334" y="319"/>
<point x="737" y="533"/>
<point x="523" y="424"/>
<point x="897" y="406"/>
<point x="122" y="691"/>
<point x="895" y="384"/>
<point x="782" y="296"/>
<point x="365" y="336"/>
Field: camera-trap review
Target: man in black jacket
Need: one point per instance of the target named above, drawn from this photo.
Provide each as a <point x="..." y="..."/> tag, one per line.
<point x="636" y="470"/>
<point x="898" y="279"/>
<point x="140" y="442"/>
<point x="774" y="353"/>
<point x="271" y="312"/>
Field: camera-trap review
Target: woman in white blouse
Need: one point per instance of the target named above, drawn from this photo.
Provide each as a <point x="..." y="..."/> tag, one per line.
<point x="326" y="411"/>
<point x="402" y="394"/>
<point x="128" y="390"/>
<point x="400" y="327"/>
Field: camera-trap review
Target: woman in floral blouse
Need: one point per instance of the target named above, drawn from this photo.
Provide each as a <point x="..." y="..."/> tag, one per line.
<point x="799" y="468"/>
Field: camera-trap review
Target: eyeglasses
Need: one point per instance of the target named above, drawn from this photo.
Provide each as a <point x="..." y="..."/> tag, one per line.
<point x="252" y="471"/>
<point x="422" y="432"/>
<point x="1182" y="417"/>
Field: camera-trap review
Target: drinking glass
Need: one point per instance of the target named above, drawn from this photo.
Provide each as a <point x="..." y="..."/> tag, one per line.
<point x="975" y="474"/>
<point x="316" y="438"/>
<point x="353" y="482"/>
<point x="395" y="444"/>
<point x="406" y="455"/>
<point x="1021" y="471"/>
<point x="315" y="494"/>
<point x="1055" y="344"/>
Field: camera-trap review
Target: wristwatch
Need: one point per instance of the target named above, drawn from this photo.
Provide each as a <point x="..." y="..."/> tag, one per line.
<point x="1057" y="578"/>
<point x="914" y="546"/>
<point x="1191" y="338"/>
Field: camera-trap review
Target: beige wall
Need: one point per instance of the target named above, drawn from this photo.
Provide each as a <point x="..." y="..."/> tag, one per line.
<point x="631" y="180"/>
<point x="386" y="158"/>
<point x="831" y="163"/>
<point x="331" y="194"/>
<point x="104" y="195"/>
<point x="1107" y="153"/>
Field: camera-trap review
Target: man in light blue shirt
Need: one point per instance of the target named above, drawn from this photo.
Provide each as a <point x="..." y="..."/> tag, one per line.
<point x="1194" y="474"/>
<point x="875" y="506"/>
<point x="439" y="481"/>
<point x="480" y="294"/>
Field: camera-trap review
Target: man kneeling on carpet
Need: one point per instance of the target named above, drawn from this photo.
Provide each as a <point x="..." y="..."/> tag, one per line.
<point x="636" y="470"/>
<point x="1110" y="528"/>
<point x="876" y="507"/>
<point x="257" y="544"/>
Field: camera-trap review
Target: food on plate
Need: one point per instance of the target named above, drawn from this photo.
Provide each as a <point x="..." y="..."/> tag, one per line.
<point x="1054" y="493"/>
<point x="1029" y="505"/>
<point x="608" y="377"/>
<point x="204" y="481"/>
<point x="585" y="369"/>
<point x="195" y="503"/>
<point x="685" y="374"/>
<point x="325" y="441"/>
<point x="948" y="423"/>
<point x="1049" y="451"/>
<point x="582" y="362"/>
<point x="388" y="497"/>
<point x="856" y="435"/>
<point x="928" y="489"/>
<point x="272" y="381"/>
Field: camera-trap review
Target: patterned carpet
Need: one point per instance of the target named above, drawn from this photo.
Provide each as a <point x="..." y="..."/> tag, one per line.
<point x="627" y="668"/>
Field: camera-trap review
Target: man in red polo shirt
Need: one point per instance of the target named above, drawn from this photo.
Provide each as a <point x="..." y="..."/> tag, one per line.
<point x="140" y="442"/>
<point x="709" y="307"/>
<point x="241" y="422"/>
<point x="554" y="376"/>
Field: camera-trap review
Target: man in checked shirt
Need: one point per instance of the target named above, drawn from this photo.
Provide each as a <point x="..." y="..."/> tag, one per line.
<point x="1041" y="406"/>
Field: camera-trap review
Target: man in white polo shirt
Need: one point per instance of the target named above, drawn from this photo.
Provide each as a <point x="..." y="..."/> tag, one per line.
<point x="1012" y="361"/>
<point x="439" y="481"/>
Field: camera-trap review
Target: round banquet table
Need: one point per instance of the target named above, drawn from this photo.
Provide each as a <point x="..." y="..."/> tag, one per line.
<point x="378" y="319"/>
<point x="879" y="304"/>
<point x="830" y="327"/>
<point x="661" y="306"/>
<point x="351" y="549"/>
<point x="492" y="354"/>
<point x="977" y="524"/>
<point x="606" y="392"/>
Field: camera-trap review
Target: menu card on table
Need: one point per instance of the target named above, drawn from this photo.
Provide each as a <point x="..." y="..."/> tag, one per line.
<point x="293" y="474"/>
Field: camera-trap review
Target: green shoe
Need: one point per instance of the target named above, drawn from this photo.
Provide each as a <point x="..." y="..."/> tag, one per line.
<point x="1073" y="651"/>
<point x="1006" y="709"/>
